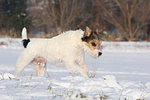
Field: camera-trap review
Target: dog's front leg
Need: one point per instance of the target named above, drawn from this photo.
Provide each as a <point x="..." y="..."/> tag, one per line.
<point x="72" y="66"/>
<point x="81" y="63"/>
<point x="84" y="67"/>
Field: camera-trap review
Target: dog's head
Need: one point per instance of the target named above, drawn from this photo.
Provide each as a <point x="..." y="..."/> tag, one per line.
<point x="91" y="43"/>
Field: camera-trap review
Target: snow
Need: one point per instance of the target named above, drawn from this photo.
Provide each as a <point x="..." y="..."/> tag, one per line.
<point x="122" y="73"/>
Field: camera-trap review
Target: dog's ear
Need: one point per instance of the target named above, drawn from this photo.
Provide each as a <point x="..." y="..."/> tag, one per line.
<point x="87" y="32"/>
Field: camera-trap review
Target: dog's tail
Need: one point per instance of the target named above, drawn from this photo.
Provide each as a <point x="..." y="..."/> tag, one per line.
<point x="25" y="40"/>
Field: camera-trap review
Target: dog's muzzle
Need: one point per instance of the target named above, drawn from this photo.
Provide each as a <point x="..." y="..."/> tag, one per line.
<point x="99" y="54"/>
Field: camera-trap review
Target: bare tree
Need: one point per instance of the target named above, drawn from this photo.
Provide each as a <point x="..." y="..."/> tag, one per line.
<point x="38" y="15"/>
<point x="63" y="14"/>
<point x="129" y="16"/>
<point x="70" y="10"/>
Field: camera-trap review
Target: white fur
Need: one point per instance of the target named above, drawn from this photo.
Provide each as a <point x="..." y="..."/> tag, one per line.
<point x="66" y="49"/>
<point x="24" y="33"/>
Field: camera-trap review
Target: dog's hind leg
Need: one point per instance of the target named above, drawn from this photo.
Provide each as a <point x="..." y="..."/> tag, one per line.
<point x="39" y="66"/>
<point x="24" y="59"/>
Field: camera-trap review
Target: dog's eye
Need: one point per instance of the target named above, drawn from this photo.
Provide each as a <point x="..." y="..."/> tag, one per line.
<point x="93" y="44"/>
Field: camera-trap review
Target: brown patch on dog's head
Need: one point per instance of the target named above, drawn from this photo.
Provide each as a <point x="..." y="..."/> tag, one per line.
<point x="87" y="31"/>
<point x="91" y="39"/>
<point x="93" y="44"/>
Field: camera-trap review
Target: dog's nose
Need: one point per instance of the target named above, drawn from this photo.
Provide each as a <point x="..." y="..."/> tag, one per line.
<point x="100" y="53"/>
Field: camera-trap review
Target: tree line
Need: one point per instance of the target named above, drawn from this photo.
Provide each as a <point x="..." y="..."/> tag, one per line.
<point x="127" y="20"/>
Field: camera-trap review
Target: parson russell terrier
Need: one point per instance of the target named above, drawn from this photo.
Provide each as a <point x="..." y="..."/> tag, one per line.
<point x="66" y="49"/>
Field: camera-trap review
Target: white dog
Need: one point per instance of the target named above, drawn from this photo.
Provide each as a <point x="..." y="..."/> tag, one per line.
<point x="66" y="49"/>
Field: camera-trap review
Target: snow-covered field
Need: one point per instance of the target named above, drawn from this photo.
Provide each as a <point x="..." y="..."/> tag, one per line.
<point x="122" y="73"/>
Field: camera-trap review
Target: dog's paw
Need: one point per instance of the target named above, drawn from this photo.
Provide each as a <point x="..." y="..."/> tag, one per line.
<point x="85" y="68"/>
<point x="84" y="74"/>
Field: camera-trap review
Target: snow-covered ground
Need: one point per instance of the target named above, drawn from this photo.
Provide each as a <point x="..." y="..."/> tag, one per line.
<point x="122" y="73"/>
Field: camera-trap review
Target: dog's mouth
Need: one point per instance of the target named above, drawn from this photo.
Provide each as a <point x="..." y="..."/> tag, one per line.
<point x="94" y="55"/>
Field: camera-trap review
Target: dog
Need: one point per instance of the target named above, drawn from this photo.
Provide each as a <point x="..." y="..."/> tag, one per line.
<point x="67" y="49"/>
